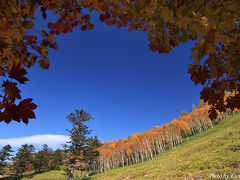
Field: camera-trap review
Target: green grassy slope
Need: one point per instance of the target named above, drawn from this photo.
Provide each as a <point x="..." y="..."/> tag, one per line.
<point x="215" y="151"/>
<point x="51" y="175"/>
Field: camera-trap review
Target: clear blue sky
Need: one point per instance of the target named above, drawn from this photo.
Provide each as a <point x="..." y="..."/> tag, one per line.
<point x="112" y="74"/>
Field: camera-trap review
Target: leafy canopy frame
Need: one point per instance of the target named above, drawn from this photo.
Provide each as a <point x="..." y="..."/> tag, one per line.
<point x="215" y="24"/>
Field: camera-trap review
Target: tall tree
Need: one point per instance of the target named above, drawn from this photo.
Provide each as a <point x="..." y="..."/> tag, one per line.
<point x="22" y="160"/>
<point x="5" y="155"/>
<point x="78" y="146"/>
<point x="213" y="24"/>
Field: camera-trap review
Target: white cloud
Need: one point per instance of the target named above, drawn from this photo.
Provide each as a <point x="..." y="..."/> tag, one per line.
<point x="53" y="141"/>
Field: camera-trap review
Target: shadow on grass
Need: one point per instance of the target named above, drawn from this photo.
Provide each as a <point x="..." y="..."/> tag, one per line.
<point x="14" y="177"/>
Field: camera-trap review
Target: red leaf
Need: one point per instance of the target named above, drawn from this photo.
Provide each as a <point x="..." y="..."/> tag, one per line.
<point x="25" y="120"/>
<point x="119" y="24"/>
<point x="13" y="108"/>
<point x="50" y="25"/>
<point x="84" y="28"/>
<point x="212" y="114"/>
<point x="31" y="115"/>
<point x="7" y="116"/>
<point x="205" y="94"/>
<point x="107" y="15"/>
<point x="52" y="31"/>
<point x="11" y="91"/>
<point x="18" y="73"/>
<point x="26" y="110"/>
<point x="55" y="46"/>
<point x="102" y="18"/>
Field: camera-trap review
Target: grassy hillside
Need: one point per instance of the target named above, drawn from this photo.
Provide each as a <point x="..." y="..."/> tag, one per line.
<point x="57" y="175"/>
<point x="215" y="151"/>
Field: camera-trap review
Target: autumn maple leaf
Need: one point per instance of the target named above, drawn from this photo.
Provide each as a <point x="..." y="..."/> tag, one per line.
<point x="11" y="90"/>
<point x="18" y="73"/>
<point x="10" y="113"/>
<point x="26" y="108"/>
<point x="212" y="113"/>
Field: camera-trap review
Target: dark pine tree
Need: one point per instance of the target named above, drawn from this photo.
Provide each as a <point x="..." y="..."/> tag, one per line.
<point x="22" y="160"/>
<point x="5" y="154"/>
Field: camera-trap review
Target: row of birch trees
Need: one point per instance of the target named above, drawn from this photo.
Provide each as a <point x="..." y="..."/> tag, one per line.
<point x="144" y="146"/>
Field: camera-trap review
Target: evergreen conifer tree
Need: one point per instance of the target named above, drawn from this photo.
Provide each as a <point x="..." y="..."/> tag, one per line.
<point x="22" y="160"/>
<point x="80" y="148"/>
<point x="5" y="155"/>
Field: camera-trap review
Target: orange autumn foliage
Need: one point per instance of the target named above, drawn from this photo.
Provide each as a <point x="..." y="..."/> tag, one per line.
<point x="143" y="146"/>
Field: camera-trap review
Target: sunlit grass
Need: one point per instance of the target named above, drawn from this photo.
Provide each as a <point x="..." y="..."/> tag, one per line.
<point x="51" y="175"/>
